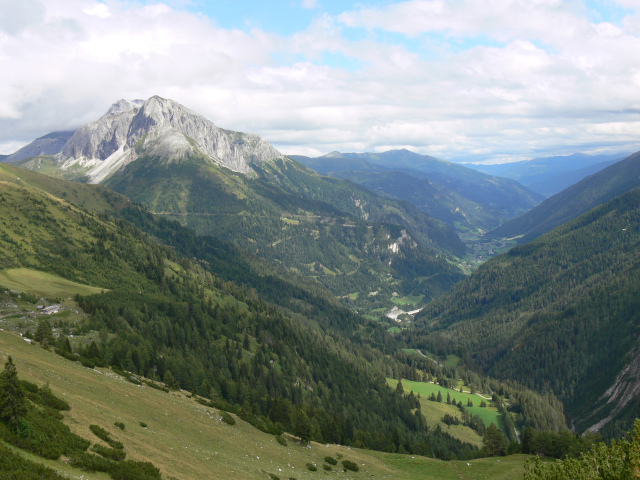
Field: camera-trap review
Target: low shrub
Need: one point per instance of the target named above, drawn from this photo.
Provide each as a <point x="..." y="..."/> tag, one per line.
<point x="110" y="453"/>
<point x="120" y="425"/>
<point x="281" y="440"/>
<point x="143" y="425"/>
<point x="99" y="432"/>
<point x="43" y="434"/>
<point x="349" y="465"/>
<point x="226" y="418"/>
<point x="330" y="460"/>
<point x="312" y="467"/>
<point x="155" y="385"/>
<point x="14" y="466"/>
<point x="326" y="467"/>
<point x="102" y="434"/>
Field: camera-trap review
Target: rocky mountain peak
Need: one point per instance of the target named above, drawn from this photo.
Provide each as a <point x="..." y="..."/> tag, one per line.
<point x="122" y="106"/>
<point x="162" y="129"/>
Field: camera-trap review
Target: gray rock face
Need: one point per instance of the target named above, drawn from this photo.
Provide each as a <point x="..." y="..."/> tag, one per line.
<point x="50" y="144"/>
<point x="160" y="128"/>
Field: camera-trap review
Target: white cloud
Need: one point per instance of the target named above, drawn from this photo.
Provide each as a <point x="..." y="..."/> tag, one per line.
<point x="310" y="3"/>
<point x="98" y="9"/>
<point x="543" y="78"/>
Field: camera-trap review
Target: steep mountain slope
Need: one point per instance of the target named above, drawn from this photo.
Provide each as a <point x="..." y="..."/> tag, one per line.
<point x="551" y="175"/>
<point x="573" y="201"/>
<point x="452" y="193"/>
<point x="239" y="188"/>
<point x="560" y="313"/>
<point x="340" y="242"/>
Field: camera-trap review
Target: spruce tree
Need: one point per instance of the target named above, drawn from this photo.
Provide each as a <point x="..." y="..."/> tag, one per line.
<point x="400" y="388"/>
<point x="493" y="443"/>
<point x="303" y="427"/>
<point x="12" y="399"/>
<point x="44" y="334"/>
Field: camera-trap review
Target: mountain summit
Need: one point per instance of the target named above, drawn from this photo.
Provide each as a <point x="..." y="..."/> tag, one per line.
<point x="160" y="128"/>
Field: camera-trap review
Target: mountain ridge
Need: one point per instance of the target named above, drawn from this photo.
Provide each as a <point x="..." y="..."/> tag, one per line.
<point x="575" y="200"/>
<point x="455" y="194"/>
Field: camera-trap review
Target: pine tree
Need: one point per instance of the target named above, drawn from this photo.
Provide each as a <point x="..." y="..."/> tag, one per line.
<point x="439" y="397"/>
<point x="12" y="399"/>
<point x="170" y="380"/>
<point x="303" y="427"/>
<point x="493" y="443"/>
<point x="400" y="388"/>
<point x="448" y="399"/>
<point x="43" y="334"/>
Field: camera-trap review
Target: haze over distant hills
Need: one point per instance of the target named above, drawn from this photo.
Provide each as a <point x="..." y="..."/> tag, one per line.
<point x="460" y="196"/>
<point x="550" y="175"/>
<point x="588" y="193"/>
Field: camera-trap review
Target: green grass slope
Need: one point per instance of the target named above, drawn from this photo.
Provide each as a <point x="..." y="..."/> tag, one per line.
<point x="186" y="440"/>
<point x="42" y="283"/>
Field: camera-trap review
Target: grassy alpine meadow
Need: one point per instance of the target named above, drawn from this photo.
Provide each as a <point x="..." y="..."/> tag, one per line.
<point x="186" y="440"/>
<point x="435" y="411"/>
<point x="42" y="283"/>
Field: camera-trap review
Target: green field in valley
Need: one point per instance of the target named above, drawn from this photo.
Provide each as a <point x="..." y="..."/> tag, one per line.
<point x="435" y="411"/>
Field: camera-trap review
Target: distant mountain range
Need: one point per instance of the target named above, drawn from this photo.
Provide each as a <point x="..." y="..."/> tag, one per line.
<point x="550" y="175"/>
<point x="588" y="193"/>
<point x="460" y="196"/>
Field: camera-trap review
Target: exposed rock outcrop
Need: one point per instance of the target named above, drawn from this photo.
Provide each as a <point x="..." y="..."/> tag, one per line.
<point x="157" y="127"/>
<point x="625" y="389"/>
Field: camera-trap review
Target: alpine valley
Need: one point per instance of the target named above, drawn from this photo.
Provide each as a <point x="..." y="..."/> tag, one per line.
<point x="210" y="308"/>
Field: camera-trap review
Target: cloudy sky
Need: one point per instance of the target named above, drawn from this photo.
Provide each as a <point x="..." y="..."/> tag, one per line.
<point x="464" y="80"/>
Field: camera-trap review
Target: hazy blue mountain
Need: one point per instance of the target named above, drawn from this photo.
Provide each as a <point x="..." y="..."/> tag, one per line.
<point x="49" y="144"/>
<point x="550" y="175"/>
<point x="591" y="191"/>
<point x="459" y="196"/>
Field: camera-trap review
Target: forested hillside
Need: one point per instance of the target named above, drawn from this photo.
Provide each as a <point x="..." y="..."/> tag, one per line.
<point x="560" y="314"/>
<point x="352" y="241"/>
